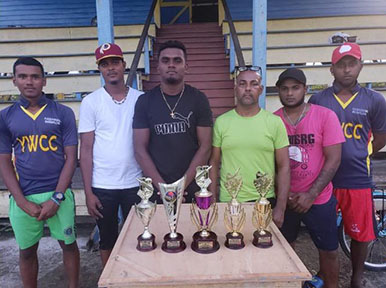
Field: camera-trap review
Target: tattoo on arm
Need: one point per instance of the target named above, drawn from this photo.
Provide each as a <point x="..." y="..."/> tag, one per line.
<point x="325" y="176"/>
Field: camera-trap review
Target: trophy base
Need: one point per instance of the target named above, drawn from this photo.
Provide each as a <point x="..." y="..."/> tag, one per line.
<point x="262" y="241"/>
<point x="205" y="245"/>
<point x="145" y="245"/>
<point x="173" y="245"/>
<point x="234" y="242"/>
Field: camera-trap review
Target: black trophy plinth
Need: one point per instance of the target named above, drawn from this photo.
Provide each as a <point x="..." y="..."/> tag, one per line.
<point x="146" y="244"/>
<point x="234" y="242"/>
<point x="262" y="240"/>
<point x="173" y="245"/>
<point x="205" y="245"/>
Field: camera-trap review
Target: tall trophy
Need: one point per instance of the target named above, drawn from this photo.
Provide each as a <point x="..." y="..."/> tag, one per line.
<point x="203" y="213"/>
<point x="262" y="211"/>
<point x="145" y="211"/>
<point x="234" y="215"/>
<point x="171" y="195"/>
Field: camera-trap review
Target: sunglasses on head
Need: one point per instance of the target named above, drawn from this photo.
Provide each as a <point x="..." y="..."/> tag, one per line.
<point x="256" y="69"/>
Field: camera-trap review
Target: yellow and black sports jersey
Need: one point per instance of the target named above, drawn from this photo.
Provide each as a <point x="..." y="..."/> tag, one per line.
<point x="363" y="114"/>
<point x="38" y="142"/>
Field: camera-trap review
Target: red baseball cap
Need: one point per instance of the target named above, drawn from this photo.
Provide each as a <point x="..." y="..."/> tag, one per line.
<point x="108" y="50"/>
<point x="346" y="49"/>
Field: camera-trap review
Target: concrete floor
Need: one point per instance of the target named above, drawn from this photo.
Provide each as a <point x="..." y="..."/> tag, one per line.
<point x="51" y="272"/>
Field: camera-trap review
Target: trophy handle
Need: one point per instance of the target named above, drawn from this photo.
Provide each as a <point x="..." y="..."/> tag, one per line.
<point x="254" y="219"/>
<point x="268" y="219"/>
<point x="227" y="222"/>
<point x="242" y="220"/>
<point x="214" y="216"/>
<point x="194" y="217"/>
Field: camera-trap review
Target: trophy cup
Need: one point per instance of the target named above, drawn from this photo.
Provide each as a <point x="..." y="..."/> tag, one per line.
<point x="171" y="195"/>
<point x="234" y="215"/>
<point x="262" y="212"/>
<point x="204" y="214"/>
<point x="145" y="211"/>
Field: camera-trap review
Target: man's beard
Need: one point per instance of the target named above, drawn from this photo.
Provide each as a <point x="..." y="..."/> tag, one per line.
<point x="114" y="82"/>
<point x="297" y="104"/>
<point x="173" y="81"/>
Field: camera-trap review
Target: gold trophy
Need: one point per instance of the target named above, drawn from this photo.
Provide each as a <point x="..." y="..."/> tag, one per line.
<point x="262" y="211"/>
<point x="234" y="215"/>
<point x="203" y="213"/>
<point x="171" y="195"/>
<point x="145" y="211"/>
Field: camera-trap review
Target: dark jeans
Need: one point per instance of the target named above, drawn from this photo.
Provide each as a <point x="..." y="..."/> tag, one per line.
<point x="111" y="200"/>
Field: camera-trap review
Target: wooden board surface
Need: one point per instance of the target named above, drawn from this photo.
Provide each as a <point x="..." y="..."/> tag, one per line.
<point x="272" y="104"/>
<point x="277" y="266"/>
<point x="22" y="34"/>
<point x="314" y="32"/>
<point x="62" y="47"/>
<point x="287" y="55"/>
<point x="316" y="75"/>
<point x="317" y="38"/>
<point x="53" y="44"/>
<point x="334" y="22"/>
<point x="69" y="63"/>
<point x="67" y="84"/>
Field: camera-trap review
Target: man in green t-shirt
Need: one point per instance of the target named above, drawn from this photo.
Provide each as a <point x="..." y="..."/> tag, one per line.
<point x="251" y="139"/>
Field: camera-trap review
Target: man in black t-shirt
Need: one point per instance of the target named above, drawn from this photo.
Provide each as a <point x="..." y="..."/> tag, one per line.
<point x="172" y="124"/>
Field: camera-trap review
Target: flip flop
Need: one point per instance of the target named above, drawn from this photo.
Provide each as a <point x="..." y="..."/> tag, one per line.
<point x="315" y="282"/>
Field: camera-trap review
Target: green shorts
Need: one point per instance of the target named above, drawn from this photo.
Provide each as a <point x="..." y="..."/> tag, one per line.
<point x="28" y="230"/>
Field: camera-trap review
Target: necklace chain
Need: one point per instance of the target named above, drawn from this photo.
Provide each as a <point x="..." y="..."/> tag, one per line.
<point x="121" y="101"/>
<point x="300" y="117"/>
<point x="175" y="105"/>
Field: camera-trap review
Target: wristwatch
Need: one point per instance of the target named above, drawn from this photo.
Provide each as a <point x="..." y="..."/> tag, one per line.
<point x="58" y="197"/>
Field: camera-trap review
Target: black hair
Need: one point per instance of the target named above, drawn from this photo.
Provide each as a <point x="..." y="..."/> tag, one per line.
<point x="28" y="61"/>
<point x="172" y="44"/>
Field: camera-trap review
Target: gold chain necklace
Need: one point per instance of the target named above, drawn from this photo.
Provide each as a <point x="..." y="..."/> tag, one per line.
<point x="300" y="117"/>
<point x="175" y="106"/>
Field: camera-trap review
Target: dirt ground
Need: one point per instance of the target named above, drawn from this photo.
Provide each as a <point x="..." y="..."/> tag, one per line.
<point x="51" y="272"/>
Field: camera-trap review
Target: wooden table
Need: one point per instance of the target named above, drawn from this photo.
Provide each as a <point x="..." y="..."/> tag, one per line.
<point x="277" y="266"/>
